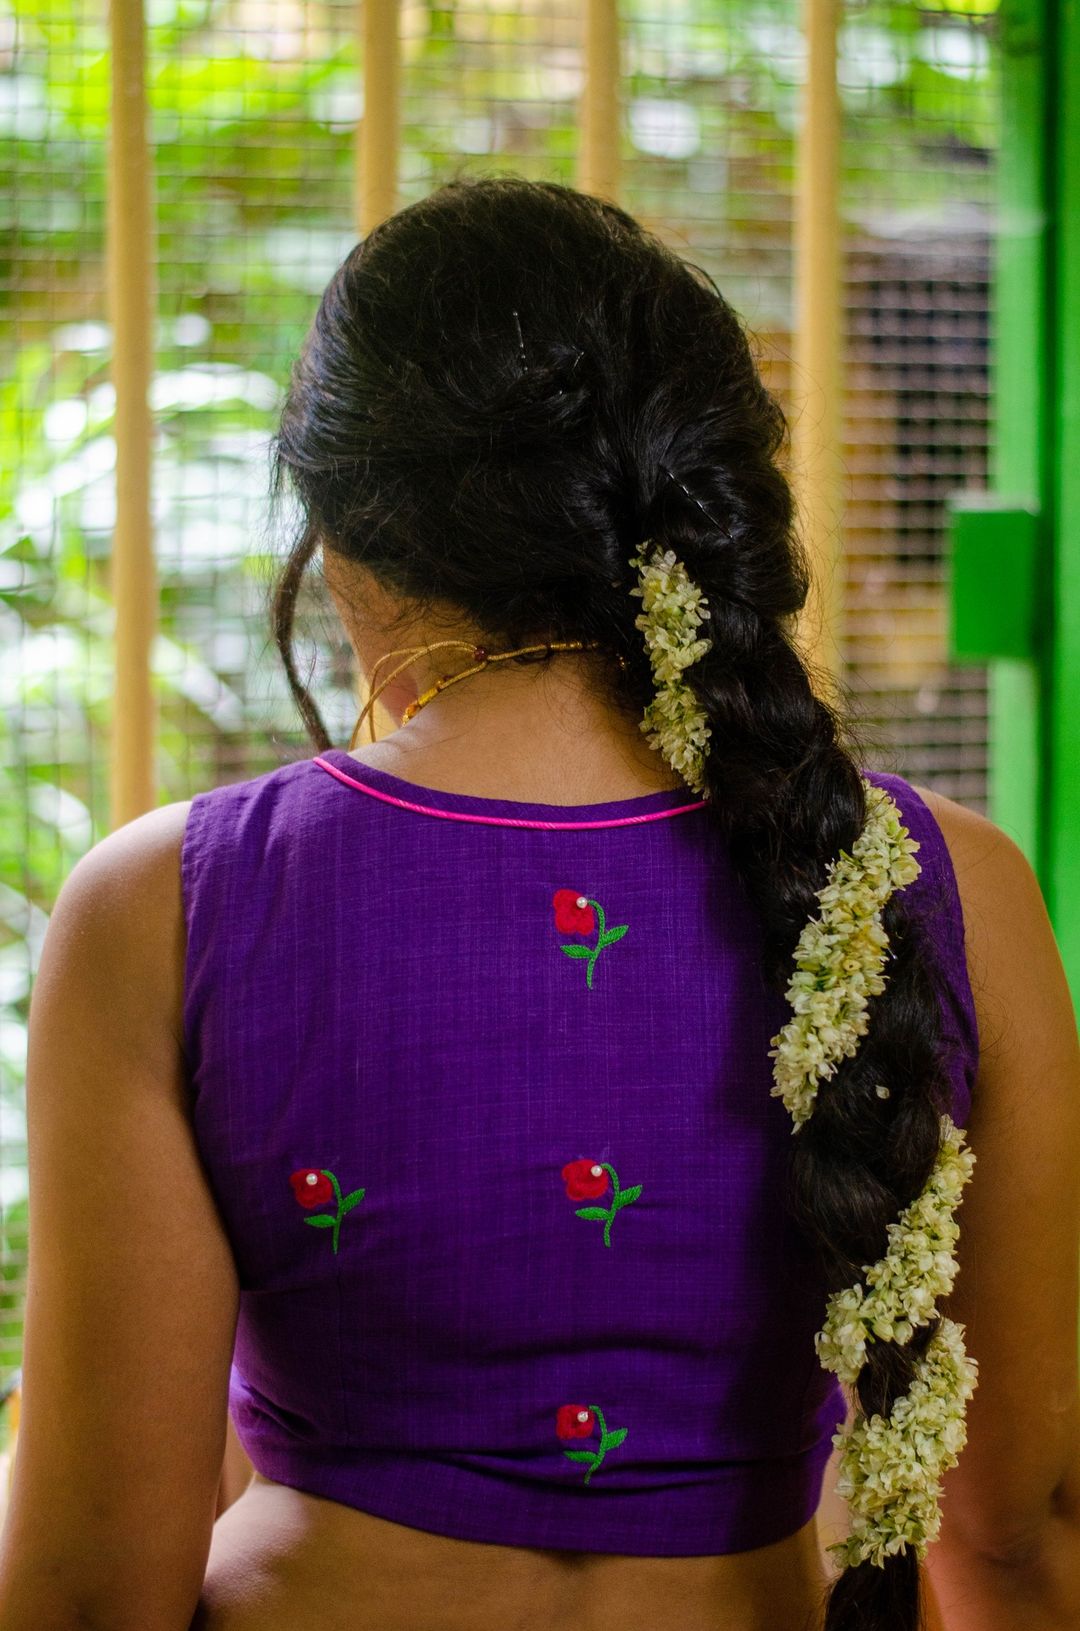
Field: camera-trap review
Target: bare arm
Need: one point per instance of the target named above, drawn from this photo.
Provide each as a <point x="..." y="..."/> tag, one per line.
<point x="132" y="1293"/>
<point x="1008" y="1556"/>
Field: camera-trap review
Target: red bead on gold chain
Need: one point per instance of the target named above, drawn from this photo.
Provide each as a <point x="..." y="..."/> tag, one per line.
<point x="482" y="657"/>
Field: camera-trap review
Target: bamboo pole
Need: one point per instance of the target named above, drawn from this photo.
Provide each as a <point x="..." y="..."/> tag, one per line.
<point x="131" y="297"/>
<point x="598" y="170"/>
<point x="377" y="138"/>
<point x="816" y="387"/>
<point x="377" y="133"/>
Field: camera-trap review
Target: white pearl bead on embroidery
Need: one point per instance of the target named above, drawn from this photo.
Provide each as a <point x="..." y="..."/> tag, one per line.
<point x="583" y="900"/>
<point x="596" y="1171"/>
<point x="312" y="1178"/>
<point x="583" y="1415"/>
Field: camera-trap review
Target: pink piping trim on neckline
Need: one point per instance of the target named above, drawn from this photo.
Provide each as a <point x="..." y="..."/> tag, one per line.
<point x="502" y="821"/>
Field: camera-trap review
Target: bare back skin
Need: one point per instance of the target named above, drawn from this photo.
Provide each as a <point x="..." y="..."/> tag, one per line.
<point x="133" y="1292"/>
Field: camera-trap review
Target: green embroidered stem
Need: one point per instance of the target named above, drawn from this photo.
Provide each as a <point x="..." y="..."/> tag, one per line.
<point x="609" y="1220"/>
<point x="337" y="1196"/>
<point x="599" y="942"/>
<point x="619" y="1199"/>
<point x="605" y="937"/>
<point x="323" y="1220"/>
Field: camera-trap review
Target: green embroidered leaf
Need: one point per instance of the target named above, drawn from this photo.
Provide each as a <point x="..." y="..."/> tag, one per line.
<point x="577" y="951"/>
<point x="321" y="1222"/>
<point x="615" y="1438"/>
<point x="613" y="934"/>
<point x="627" y="1195"/>
<point x="581" y="1455"/>
<point x="350" y="1200"/>
<point x="591" y="1212"/>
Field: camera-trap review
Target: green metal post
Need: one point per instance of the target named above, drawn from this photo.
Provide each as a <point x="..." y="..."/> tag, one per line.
<point x="1021" y="386"/>
<point x="1062" y="827"/>
<point x="1015" y="563"/>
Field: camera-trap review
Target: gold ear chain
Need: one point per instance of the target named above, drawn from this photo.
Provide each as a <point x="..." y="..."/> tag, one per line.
<point x="483" y="658"/>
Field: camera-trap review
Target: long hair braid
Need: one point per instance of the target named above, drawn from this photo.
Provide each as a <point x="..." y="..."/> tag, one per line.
<point x="790" y="797"/>
<point x="507" y="387"/>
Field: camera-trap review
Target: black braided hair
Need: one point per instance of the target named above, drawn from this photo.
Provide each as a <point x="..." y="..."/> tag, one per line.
<point x="507" y="387"/>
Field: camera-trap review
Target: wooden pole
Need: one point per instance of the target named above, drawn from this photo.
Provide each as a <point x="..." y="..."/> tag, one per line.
<point x="377" y="134"/>
<point x="377" y="138"/>
<point x="132" y="301"/>
<point x="598" y="170"/>
<point x="816" y="387"/>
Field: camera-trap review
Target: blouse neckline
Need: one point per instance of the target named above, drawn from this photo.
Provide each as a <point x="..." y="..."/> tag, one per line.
<point x="434" y="801"/>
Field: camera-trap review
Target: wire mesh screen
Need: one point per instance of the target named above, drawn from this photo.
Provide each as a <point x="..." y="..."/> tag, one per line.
<point x="254" y="111"/>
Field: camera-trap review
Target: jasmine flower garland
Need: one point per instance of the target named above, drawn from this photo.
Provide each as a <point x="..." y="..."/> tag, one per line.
<point x="671" y="616"/>
<point x="918" y="1267"/>
<point x="840" y="956"/>
<point x="891" y="1467"/>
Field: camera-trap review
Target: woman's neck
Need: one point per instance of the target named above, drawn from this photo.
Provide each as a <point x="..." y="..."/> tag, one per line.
<point x="529" y="736"/>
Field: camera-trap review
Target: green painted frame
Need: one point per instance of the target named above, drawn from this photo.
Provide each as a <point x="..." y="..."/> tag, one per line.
<point x="1015" y="563"/>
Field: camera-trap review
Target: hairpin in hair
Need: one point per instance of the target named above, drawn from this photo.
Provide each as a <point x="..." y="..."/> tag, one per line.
<point x="690" y="496"/>
<point x="521" y="344"/>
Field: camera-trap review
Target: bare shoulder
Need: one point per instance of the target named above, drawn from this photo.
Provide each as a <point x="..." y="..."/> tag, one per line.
<point x="127" y="890"/>
<point x="146" y="847"/>
<point x="982" y="853"/>
<point x="1006" y="923"/>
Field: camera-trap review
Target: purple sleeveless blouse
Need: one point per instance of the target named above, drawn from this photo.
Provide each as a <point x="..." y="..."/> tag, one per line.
<point x="482" y="1091"/>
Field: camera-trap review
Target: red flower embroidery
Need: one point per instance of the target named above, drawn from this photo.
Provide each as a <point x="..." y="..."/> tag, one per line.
<point x="582" y="1182"/>
<point x="574" y="914"/>
<point x="570" y="918"/>
<point x="586" y="1181"/>
<point x="574" y="1421"/>
<point x="578" y="1421"/>
<point x="311" y="1187"/>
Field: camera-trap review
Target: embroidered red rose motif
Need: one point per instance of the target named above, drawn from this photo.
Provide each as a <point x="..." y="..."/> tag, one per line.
<point x="311" y="1188"/>
<point x="574" y="915"/>
<point x="574" y="1421"/>
<point x="314" y="1186"/>
<point x="573" y="912"/>
<point x="577" y="1421"/>
<point x="587" y="1181"/>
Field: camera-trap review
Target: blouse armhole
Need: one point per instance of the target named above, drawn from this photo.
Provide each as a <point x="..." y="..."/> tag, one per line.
<point x="940" y="908"/>
<point x="199" y="883"/>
